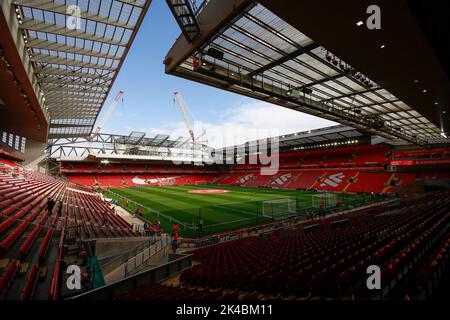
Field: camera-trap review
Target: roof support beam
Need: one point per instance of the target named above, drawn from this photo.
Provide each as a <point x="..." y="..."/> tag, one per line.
<point x="291" y="102"/>
<point x="53" y="88"/>
<point x="134" y="3"/>
<point x="60" y="125"/>
<point x="50" y="5"/>
<point x="351" y="94"/>
<point x="36" y="43"/>
<point x="57" y="82"/>
<point x="286" y="58"/>
<point x="56" y="97"/>
<point x="48" y="70"/>
<point x="41" y="26"/>
<point x="210" y="21"/>
<point x="73" y="81"/>
<point x="46" y="58"/>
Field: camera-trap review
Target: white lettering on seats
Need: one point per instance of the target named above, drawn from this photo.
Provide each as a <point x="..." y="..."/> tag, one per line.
<point x="334" y="180"/>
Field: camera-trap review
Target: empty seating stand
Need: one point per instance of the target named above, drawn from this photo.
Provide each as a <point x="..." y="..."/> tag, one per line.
<point x="407" y="243"/>
<point x="28" y="231"/>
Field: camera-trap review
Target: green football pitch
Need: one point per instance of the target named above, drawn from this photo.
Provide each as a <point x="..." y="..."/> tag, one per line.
<point x="237" y="208"/>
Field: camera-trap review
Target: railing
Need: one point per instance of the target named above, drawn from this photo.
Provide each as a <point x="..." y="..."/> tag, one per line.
<point x="177" y="264"/>
<point x="95" y="270"/>
<point x="138" y="260"/>
<point x="199" y="9"/>
<point x="256" y="215"/>
<point x="54" y="287"/>
<point x="153" y="246"/>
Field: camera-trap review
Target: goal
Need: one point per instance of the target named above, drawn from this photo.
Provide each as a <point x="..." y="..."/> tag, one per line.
<point x="278" y="208"/>
<point x="200" y="183"/>
<point x="328" y="199"/>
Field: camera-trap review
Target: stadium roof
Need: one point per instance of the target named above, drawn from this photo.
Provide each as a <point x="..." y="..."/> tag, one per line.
<point x="244" y="47"/>
<point x="136" y="143"/>
<point x="316" y="138"/>
<point x="76" y="67"/>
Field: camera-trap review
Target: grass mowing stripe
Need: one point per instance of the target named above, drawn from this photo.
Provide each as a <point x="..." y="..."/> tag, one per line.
<point x="178" y="209"/>
<point x="208" y="199"/>
<point x="226" y="209"/>
<point x="202" y="200"/>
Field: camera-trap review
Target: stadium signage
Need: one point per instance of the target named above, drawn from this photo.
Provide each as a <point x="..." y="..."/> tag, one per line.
<point x="402" y="163"/>
<point x="187" y="310"/>
<point x="419" y="162"/>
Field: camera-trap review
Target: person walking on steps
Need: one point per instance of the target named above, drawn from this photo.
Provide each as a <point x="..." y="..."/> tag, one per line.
<point x="50" y="205"/>
<point x="60" y="209"/>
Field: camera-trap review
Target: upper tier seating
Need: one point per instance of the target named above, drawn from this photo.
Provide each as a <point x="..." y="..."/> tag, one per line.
<point x="421" y="154"/>
<point x="9" y="158"/>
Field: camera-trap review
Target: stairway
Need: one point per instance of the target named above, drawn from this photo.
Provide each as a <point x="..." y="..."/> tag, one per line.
<point x="354" y="179"/>
<point x="317" y="181"/>
<point x="388" y="184"/>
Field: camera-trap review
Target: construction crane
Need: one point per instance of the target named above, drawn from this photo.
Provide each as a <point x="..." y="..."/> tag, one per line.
<point x="182" y="106"/>
<point x="108" y="113"/>
<point x="197" y="141"/>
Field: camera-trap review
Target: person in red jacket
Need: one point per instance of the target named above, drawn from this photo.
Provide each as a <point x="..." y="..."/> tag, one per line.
<point x="175" y="240"/>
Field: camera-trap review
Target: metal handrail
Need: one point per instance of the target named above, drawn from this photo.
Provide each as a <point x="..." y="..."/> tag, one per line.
<point x="128" y="271"/>
<point x="131" y="252"/>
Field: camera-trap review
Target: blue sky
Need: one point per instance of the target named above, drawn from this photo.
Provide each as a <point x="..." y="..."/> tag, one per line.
<point x="148" y="105"/>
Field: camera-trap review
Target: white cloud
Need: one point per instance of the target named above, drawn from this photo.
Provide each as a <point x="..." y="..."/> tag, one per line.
<point x="255" y="120"/>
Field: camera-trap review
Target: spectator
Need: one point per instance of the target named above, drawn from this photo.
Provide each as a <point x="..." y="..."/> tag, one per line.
<point x="175" y="228"/>
<point x="60" y="209"/>
<point x="50" y="205"/>
<point x="200" y="226"/>
<point x="322" y="213"/>
<point x="175" y="240"/>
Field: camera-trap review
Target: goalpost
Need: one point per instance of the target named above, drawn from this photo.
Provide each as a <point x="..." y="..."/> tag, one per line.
<point x="200" y="183"/>
<point x="278" y="208"/>
<point x="328" y="200"/>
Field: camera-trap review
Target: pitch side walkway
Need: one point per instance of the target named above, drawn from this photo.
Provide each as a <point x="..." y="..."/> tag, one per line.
<point x="128" y="217"/>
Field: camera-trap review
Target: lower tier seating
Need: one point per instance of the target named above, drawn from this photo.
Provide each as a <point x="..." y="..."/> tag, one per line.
<point x="406" y="243"/>
<point x="29" y="232"/>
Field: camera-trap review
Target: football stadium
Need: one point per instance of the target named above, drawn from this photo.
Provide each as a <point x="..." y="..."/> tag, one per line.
<point x="343" y="193"/>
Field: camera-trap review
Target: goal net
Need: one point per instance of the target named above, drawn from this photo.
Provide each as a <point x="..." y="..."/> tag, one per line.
<point x="327" y="200"/>
<point x="200" y="183"/>
<point x="279" y="208"/>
